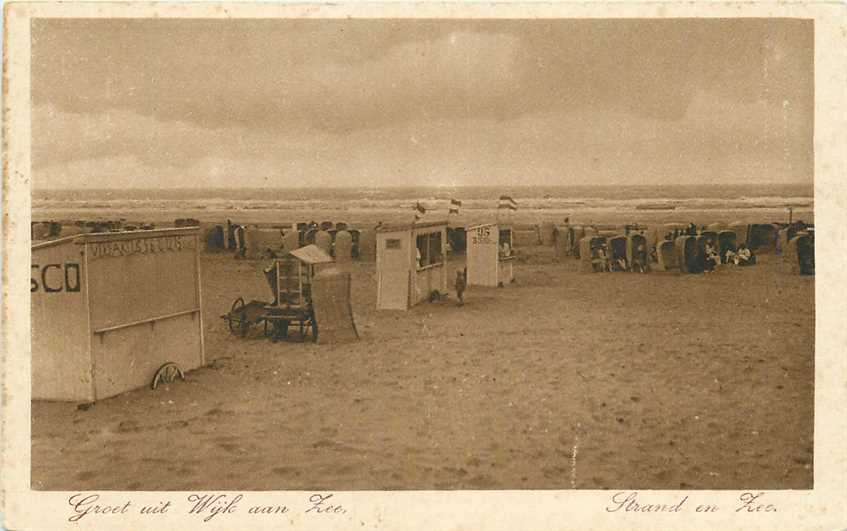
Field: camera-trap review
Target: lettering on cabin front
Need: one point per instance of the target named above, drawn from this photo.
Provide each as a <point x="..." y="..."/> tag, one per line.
<point x="161" y="244"/>
<point x="55" y="278"/>
<point x="481" y="235"/>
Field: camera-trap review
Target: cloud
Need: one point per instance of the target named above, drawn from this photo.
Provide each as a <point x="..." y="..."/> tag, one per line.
<point x="294" y="102"/>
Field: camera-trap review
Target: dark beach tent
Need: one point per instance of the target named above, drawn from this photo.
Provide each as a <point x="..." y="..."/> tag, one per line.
<point x="727" y="241"/>
<point x="666" y="256"/>
<point x="326" y="225"/>
<point x="637" y="251"/>
<point x="686" y="254"/>
<point x="710" y="237"/>
<point x="302" y="227"/>
<point x="805" y="245"/>
<point x="458" y="239"/>
<point x="355" y="234"/>
<point x="616" y="249"/>
<point x="762" y="237"/>
<point x="800" y="254"/>
<point x="741" y="231"/>
<point x="309" y="237"/>
<point x="340" y="225"/>
<point x="590" y="253"/>
<point x="215" y="238"/>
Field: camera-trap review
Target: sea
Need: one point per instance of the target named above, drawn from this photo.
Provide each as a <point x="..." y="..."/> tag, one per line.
<point x="581" y="203"/>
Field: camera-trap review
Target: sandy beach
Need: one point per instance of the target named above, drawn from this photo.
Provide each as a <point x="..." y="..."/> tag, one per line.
<point x="562" y="380"/>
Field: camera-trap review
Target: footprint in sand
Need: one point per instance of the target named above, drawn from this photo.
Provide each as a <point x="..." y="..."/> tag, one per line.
<point x="324" y="443"/>
<point x="218" y="412"/>
<point x="128" y="426"/>
<point x="229" y="447"/>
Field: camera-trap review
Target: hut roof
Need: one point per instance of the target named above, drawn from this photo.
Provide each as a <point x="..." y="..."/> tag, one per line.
<point x="392" y="227"/>
<point x="311" y="254"/>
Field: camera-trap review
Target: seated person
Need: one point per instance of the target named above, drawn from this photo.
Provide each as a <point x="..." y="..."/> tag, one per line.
<point x="729" y="256"/>
<point x="712" y="258"/>
<point x="743" y="256"/>
<point x="639" y="261"/>
<point x="505" y="250"/>
<point x="600" y="262"/>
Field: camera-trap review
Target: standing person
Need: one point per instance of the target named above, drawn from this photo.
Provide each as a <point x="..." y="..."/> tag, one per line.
<point x="692" y="229"/>
<point x="461" y="284"/>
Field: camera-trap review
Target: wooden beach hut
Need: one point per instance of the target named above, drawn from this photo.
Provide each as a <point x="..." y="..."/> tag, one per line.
<point x="411" y="264"/>
<point x="111" y="310"/>
<point x="489" y="255"/>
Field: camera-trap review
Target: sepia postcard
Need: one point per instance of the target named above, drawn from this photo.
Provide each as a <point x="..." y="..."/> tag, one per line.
<point x="424" y="266"/>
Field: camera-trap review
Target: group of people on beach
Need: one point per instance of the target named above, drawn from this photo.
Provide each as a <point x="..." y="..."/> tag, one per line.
<point x="742" y="256"/>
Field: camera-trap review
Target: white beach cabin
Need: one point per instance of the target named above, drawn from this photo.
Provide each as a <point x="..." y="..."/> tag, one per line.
<point x="489" y="255"/>
<point x="411" y="264"/>
<point x="110" y="309"/>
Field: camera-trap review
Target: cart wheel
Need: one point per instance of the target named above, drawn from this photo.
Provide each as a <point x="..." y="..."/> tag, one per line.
<point x="236" y="325"/>
<point x="167" y="373"/>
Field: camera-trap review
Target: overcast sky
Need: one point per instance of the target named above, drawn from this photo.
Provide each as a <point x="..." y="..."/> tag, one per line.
<point x="182" y="103"/>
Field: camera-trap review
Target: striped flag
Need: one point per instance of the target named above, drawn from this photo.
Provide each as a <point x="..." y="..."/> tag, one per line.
<point x="507" y="202"/>
<point x="454" y="206"/>
<point x="420" y="210"/>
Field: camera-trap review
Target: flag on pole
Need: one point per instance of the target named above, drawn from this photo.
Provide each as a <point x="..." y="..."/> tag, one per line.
<point x="454" y="206"/>
<point x="420" y="210"/>
<point x="507" y="202"/>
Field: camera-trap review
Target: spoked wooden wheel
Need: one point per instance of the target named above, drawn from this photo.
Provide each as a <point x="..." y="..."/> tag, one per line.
<point x="238" y="326"/>
<point x="166" y="374"/>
